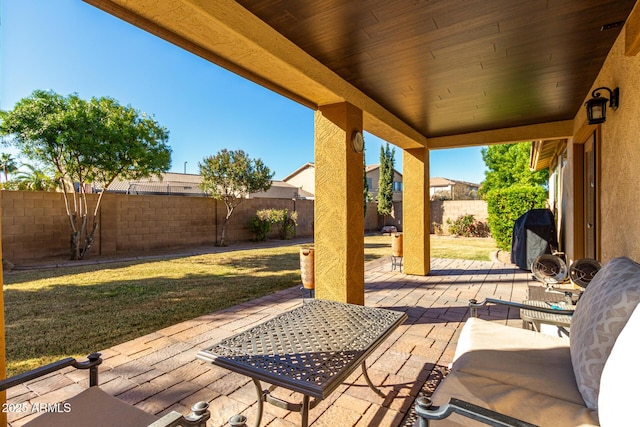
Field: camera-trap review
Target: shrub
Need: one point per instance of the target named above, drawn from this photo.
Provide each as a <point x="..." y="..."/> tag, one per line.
<point x="260" y="225"/>
<point x="437" y="228"/>
<point x="286" y="222"/>
<point x="467" y="226"/>
<point x="506" y="205"/>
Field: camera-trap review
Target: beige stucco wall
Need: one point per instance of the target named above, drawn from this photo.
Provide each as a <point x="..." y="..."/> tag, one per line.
<point x="619" y="150"/>
<point x="374" y="176"/>
<point x="305" y="180"/>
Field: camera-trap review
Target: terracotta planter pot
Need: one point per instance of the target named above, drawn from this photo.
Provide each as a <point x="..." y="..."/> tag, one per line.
<point x="396" y="244"/>
<point x="307" y="271"/>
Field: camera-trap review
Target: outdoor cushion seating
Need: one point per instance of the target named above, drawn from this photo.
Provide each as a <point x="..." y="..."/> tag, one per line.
<point x="546" y="380"/>
<point x="95" y="407"/>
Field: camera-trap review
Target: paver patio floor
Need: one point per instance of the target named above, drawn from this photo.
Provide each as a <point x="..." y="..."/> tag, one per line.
<point x="159" y="372"/>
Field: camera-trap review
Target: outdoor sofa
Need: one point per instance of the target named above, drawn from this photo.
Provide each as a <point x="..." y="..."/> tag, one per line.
<point x="516" y="376"/>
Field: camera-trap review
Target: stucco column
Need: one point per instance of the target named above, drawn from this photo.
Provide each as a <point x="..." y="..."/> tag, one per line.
<point x="339" y="205"/>
<point x="416" y="211"/>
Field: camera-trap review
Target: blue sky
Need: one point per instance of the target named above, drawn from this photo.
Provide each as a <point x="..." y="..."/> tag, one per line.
<point x="69" y="46"/>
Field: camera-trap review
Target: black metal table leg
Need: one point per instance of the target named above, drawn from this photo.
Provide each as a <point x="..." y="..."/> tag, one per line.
<point x="260" y="402"/>
<point x="369" y="383"/>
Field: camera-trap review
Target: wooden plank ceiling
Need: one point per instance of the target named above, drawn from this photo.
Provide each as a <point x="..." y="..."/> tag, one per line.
<point x="450" y="67"/>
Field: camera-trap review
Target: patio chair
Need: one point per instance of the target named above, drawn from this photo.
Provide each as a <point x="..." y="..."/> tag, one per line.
<point x="95" y="407"/>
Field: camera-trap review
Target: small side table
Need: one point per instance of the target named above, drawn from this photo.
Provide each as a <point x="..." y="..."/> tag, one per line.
<point x="396" y="261"/>
<point x="536" y="318"/>
<point x="308" y="293"/>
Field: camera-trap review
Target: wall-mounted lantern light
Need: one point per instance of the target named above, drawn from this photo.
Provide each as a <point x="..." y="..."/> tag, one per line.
<point x="597" y="105"/>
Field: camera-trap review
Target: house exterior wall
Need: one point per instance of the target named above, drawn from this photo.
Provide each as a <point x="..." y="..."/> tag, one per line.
<point x="305" y="180"/>
<point x="35" y="224"/>
<point x="619" y="156"/>
<point x="433" y="190"/>
<point x="456" y="191"/>
<point x="374" y="177"/>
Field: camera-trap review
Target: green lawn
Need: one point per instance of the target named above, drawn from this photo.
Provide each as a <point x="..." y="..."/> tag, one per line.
<point x="52" y="314"/>
<point x="474" y="248"/>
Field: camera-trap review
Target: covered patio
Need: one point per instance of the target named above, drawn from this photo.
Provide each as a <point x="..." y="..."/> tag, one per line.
<point x="159" y="372"/>
<point x="423" y="76"/>
<point x="428" y="76"/>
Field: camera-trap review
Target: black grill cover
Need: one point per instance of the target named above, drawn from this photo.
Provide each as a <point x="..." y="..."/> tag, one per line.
<point x="534" y="234"/>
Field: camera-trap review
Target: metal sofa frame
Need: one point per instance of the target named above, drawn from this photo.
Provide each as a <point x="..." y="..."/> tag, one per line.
<point x="426" y="411"/>
<point x="196" y="418"/>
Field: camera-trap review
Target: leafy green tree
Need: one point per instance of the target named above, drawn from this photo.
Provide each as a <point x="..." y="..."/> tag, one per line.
<point x="385" y="181"/>
<point x="507" y="165"/>
<point x="510" y="188"/>
<point x="85" y="143"/>
<point x="367" y="195"/>
<point x="506" y="205"/>
<point x="230" y="176"/>
<point x="8" y="165"/>
<point x="35" y="179"/>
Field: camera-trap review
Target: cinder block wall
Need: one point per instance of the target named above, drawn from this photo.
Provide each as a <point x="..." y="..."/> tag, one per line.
<point x="139" y="223"/>
<point x="238" y="226"/>
<point x="35" y="225"/>
<point x="441" y="211"/>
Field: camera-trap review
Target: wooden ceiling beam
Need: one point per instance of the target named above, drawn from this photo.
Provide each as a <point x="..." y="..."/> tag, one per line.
<point x="542" y="131"/>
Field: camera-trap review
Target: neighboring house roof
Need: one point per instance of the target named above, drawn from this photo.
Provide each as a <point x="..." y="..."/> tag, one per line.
<point x="168" y="183"/>
<point x="308" y="165"/>
<point x="440" y="182"/>
<point x="445" y="182"/>
<point x="180" y="184"/>
<point x="283" y="190"/>
<point x="371" y="168"/>
<point x="297" y="171"/>
<point x="311" y="167"/>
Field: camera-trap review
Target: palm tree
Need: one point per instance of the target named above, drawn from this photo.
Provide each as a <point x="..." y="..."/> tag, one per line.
<point x="8" y="165"/>
<point x="35" y="180"/>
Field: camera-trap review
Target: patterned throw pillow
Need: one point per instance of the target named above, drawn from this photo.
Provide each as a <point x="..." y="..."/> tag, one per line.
<point x="603" y="310"/>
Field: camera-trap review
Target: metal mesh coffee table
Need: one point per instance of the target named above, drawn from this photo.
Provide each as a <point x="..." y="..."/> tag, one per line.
<point x="311" y="350"/>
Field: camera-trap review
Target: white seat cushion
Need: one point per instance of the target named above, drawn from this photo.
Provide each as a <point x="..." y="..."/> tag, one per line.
<point x="527" y="359"/>
<point x="536" y="408"/>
